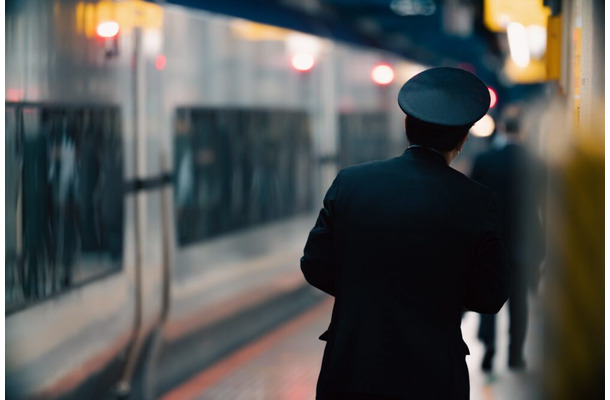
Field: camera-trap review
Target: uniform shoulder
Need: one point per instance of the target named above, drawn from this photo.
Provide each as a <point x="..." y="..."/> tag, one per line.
<point x="472" y="185"/>
<point x="365" y="168"/>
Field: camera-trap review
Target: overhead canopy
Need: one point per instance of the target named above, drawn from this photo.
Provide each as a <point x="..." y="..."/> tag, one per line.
<point x="431" y="32"/>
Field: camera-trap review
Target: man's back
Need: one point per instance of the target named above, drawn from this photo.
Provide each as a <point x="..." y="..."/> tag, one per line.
<point x="517" y="178"/>
<point x="404" y="245"/>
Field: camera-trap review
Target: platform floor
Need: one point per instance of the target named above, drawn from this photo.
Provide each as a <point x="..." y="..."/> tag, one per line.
<point x="284" y="364"/>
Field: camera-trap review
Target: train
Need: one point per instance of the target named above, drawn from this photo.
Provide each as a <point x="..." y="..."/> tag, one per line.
<point x="164" y="166"/>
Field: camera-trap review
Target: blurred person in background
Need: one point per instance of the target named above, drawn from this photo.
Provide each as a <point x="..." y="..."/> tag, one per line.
<point x="404" y="245"/>
<point x="516" y="177"/>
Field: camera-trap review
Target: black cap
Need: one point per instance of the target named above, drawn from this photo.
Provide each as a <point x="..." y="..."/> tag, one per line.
<point x="445" y="96"/>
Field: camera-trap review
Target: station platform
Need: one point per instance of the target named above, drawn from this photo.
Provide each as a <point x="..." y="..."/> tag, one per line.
<point x="284" y="363"/>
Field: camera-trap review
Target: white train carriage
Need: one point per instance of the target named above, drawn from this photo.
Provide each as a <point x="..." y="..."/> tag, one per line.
<point x="161" y="181"/>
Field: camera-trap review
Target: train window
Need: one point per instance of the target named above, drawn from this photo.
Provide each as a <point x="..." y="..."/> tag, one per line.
<point x="64" y="203"/>
<point x="364" y="137"/>
<point x="237" y="168"/>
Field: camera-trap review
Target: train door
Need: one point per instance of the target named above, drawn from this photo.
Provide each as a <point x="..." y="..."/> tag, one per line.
<point x="149" y="190"/>
<point x="87" y="250"/>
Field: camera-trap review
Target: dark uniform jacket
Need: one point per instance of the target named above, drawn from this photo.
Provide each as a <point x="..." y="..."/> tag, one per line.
<point x="519" y="182"/>
<point x="404" y="245"/>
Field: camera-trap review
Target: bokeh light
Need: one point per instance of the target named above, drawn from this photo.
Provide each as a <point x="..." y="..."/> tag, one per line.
<point x="108" y="29"/>
<point x="483" y="127"/>
<point x="303" y="62"/>
<point x="160" y="62"/>
<point x="493" y="98"/>
<point x="382" y="74"/>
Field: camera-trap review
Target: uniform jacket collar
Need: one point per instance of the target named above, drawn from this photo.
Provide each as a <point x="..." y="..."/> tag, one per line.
<point x="418" y="152"/>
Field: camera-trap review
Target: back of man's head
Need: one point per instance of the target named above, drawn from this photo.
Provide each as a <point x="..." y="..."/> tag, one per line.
<point x="441" y="138"/>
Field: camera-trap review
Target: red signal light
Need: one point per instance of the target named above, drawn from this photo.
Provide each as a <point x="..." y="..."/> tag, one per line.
<point x="160" y="62"/>
<point x="493" y="98"/>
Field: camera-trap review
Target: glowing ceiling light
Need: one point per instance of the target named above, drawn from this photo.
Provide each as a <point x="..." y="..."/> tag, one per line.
<point x="303" y="62"/>
<point x="301" y="43"/>
<point x="413" y="7"/>
<point x="108" y="29"/>
<point x="518" y="44"/>
<point x="382" y="74"/>
<point x="536" y="39"/>
<point x="483" y="127"/>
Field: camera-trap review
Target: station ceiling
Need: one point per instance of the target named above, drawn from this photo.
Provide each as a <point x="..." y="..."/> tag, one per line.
<point x="430" y="32"/>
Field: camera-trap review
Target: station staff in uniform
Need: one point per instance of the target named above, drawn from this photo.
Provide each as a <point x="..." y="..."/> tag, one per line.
<point x="518" y="179"/>
<point x="404" y="245"/>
